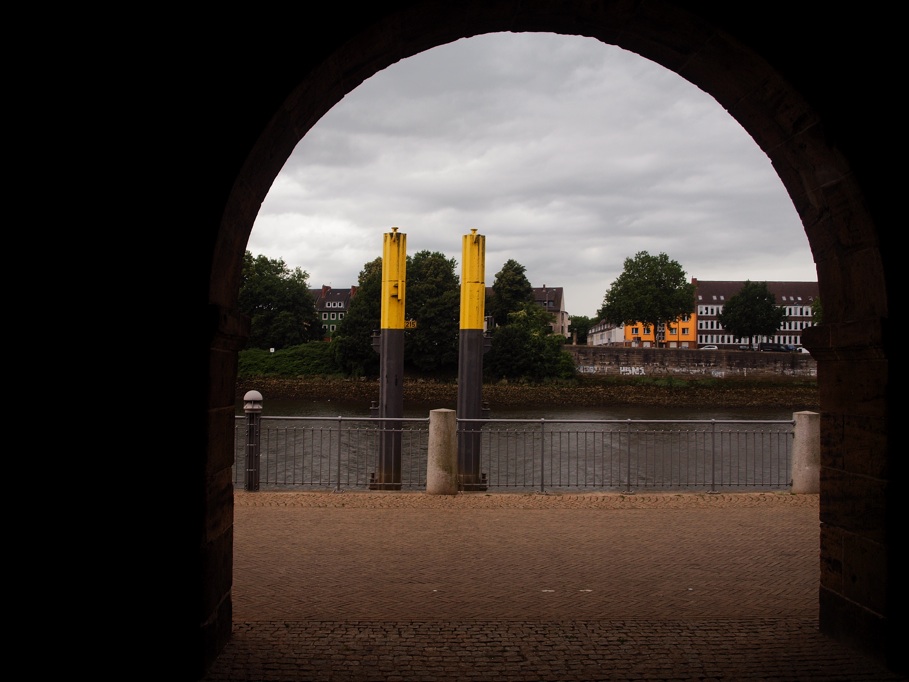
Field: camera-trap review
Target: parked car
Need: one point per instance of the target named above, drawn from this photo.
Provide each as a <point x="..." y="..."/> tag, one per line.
<point x="775" y="347"/>
<point x="802" y="349"/>
<point x="709" y="348"/>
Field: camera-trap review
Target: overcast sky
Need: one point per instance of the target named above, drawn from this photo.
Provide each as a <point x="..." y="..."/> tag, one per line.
<point x="569" y="155"/>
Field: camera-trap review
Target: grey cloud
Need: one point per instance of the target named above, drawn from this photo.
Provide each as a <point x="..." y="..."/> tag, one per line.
<point x="568" y="154"/>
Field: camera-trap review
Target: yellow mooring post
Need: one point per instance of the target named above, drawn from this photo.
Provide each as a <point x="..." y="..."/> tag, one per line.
<point x="470" y="359"/>
<point x="391" y="361"/>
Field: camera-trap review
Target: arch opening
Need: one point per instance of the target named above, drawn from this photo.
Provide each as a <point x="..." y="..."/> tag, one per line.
<point x="854" y="347"/>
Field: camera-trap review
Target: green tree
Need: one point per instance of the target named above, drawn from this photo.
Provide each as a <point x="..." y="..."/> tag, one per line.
<point x="352" y="343"/>
<point x="580" y="325"/>
<point x="433" y="299"/>
<point x="510" y="291"/>
<point x="752" y="312"/>
<point x="817" y="311"/>
<point x="651" y="290"/>
<point x="525" y="349"/>
<point x="281" y="310"/>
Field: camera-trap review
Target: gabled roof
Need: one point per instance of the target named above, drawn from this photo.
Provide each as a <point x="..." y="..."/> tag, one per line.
<point x="555" y="295"/>
<point x="543" y="295"/>
<point x="786" y="293"/>
<point x="326" y="294"/>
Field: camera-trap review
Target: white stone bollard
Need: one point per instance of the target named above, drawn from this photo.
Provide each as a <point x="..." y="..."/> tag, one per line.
<point x="442" y="463"/>
<point x="806" y="453"/>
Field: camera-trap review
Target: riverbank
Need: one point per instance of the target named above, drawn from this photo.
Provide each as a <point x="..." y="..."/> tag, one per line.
<point x="795" y="395"/>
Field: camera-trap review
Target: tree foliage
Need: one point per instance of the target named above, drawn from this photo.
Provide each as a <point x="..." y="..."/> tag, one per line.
<point x="433" y="301"/>
<point x="525" y="349"/>
<point x="580" y="325"/>
<point x="352" y="342"/>
<point x="281" y="310"/>
<point x="752" y="312"/>
<point x="651" y="290"/>
<point x="817" y="311"/>
<point x="510" y="291"/>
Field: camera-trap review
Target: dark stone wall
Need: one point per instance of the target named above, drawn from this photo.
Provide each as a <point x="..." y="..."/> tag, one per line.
<point x="238" y="100"/>
<point x="667" y="362"/>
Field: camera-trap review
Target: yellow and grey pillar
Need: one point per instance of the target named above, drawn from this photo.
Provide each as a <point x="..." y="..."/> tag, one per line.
<point x="470" y="359"/>
<point x="391" y="360"/>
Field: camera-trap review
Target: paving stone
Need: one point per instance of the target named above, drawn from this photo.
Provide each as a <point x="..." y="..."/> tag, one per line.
<point x="408" y="586"/>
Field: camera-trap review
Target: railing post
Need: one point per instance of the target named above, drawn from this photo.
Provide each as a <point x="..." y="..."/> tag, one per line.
<point x="252" y="406"/>
<point x="628" y="451"/>
<point x="806" y="453"/>
<point x="542" y="454"/>
<point x="713" y="455"/>
<point x="340" y="426"/>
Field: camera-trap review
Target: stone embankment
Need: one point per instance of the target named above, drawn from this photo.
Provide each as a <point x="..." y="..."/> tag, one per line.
<point x="795" y="395"/>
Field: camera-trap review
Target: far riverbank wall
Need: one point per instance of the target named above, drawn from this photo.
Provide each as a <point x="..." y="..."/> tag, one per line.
<point x="682" y="362"/>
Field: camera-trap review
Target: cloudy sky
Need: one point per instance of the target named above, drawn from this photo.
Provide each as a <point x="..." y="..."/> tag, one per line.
<point x="567" y="154"/>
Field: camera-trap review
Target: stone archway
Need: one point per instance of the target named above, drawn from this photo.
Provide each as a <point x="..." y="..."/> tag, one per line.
<point x="858" y="603"/>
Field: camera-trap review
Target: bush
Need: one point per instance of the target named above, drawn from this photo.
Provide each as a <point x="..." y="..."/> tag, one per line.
<point x="311" y="359"/>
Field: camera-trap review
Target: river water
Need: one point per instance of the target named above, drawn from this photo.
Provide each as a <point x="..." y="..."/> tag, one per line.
<point x="335" y="408"/>
<point x="607" y="457"/>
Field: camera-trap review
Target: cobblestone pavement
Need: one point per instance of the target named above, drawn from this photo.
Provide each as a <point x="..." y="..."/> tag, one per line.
<point x="527" y="587"/>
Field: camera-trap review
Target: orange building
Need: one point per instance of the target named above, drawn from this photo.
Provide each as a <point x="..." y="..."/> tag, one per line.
<point x="681" y="333"/>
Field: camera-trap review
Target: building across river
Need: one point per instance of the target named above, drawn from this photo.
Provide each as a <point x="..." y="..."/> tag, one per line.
<point x="702" y="326"/>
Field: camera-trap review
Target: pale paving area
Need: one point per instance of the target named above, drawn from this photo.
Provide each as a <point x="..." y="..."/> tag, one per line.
<point x="516" y="556"/>
<point x="387" y="586"/>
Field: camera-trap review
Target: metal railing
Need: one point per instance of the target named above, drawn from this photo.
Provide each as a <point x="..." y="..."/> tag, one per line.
<point x="522" y="454"/>
<point x="328" y="452"/>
